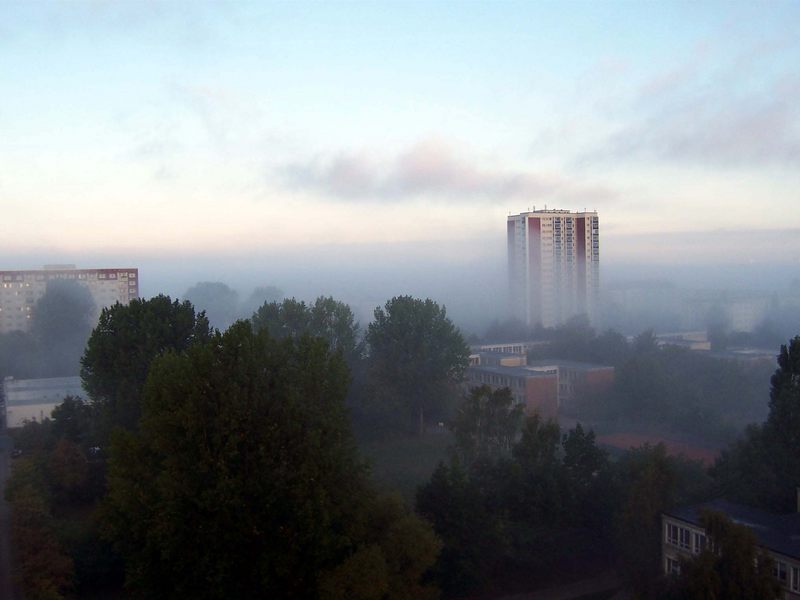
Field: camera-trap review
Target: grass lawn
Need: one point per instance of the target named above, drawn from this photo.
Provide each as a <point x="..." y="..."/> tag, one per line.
<point x="400" y="464"/>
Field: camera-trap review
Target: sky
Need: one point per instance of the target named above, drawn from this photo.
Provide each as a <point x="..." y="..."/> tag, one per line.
<point x="404" y="132"/>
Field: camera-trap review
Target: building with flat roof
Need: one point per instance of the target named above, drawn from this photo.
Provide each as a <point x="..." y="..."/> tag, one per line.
<point x="682" y="535"/>
<point x="35" y="399"/>
<point x="543" y="386"/>
<point x="19" y="290"/>
<point x="553" y="265"/>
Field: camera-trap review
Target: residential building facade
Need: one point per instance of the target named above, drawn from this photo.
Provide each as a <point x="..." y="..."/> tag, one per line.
<point x="554" y="266"/>
<point x="682" y="535"/>
<point x="19" y="290"/>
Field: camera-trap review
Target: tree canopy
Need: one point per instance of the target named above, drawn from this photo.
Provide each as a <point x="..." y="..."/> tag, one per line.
<point x="326" y="318"/>
<point x="415" y="353"/>
<point x="127" y="338"/>
<point x="244" y="451"/>
<point x="761" y="469"/>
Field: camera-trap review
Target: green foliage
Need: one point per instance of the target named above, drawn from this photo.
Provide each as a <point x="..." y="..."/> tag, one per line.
<point x="121" y="348"/>
<point x="679" y="392"/>
<point x="736" y="569"/>
<point x="43" y="570"/>
<point x="761" y="469"/>
<point x="244" y="451"/>
<point x="74" y="420"/>
<point x="509" y="511"/>
<point x="474" y="538"/>
<point x="649" y="482"/>
<point x="327" y="318"/>
<point x="415" y="354"/>
<point x="486" y="424"/>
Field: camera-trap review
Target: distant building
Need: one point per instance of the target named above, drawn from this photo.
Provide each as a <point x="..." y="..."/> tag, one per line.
<point x="682" y="536"/>
<point x="554" y="265"/>
<point x="35" y="399"/>
<point x="19" y="290"/>
<point x="544" y="386"/>
<point x="537" y="391"/>
<point x="510" y="347"/>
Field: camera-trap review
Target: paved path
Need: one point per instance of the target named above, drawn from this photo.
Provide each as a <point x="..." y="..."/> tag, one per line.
<point x="6" y="587"/>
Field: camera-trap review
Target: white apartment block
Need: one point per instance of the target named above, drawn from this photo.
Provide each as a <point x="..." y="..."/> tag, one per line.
<point x="19" y="290"/>
<point x="554" y="265"/>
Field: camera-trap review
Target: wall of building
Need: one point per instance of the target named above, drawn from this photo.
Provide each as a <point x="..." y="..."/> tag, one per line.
<point x="541" y="396"/>
<point x="20" y="290"/>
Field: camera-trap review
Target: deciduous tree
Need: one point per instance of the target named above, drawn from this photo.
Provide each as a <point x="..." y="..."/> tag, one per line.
<point x="416" y="352"/>
<point x="243" y="480"/>
<point x="122" y="346"/>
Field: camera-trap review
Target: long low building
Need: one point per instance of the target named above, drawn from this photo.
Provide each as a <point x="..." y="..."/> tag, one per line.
<point x="537" y="390"/>
<point x="543" y="386"/>
<point x="682" y="535"/>
<point x="34" y="399"/>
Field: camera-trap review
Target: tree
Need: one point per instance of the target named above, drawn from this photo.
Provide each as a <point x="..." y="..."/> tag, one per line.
<point x="784" y="398"/>
<point x="260" y="295"/>
<point x="243" y="480"/>
<point x="122" y="346"/>
<point x="43" y="569"/>
<point x="416" y="353"/>
<point x="219" y="302"/>
<point x="649" y="482"/>
<point x="327" y="318"/>
<point x="73" y="420"/>
<point x="61" y="324"/>
<point x="475" y="538"/>
<point x="486" y="424"/>
<point x="762" y="468"/>
<point x="735" y="569"/>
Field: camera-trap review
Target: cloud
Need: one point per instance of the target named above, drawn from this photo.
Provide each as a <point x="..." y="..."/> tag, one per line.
<point x="431" y="168"/>
<point x="755" y="129"/>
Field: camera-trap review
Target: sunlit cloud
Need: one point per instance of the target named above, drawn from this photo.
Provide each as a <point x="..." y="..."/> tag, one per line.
<point x="433" y="168"/>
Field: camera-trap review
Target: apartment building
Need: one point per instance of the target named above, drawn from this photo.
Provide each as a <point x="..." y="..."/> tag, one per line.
<point x="554" y="266"/>
<point x="19" y="290"/>
<point x="682" y="535"/>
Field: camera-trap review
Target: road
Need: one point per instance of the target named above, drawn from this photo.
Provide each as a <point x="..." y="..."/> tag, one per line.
<point x="6" y="586"/>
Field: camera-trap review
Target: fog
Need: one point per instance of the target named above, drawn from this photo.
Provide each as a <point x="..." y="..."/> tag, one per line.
<point x="469" y="277"/>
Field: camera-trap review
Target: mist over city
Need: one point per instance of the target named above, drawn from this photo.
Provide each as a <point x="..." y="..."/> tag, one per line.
<point x="389" y="300"/>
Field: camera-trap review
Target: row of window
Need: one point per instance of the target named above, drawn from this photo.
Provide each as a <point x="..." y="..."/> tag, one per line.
<point x="685" y="538"/>
<point x="781" y="572"/>
<point x="695" y="542"/>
